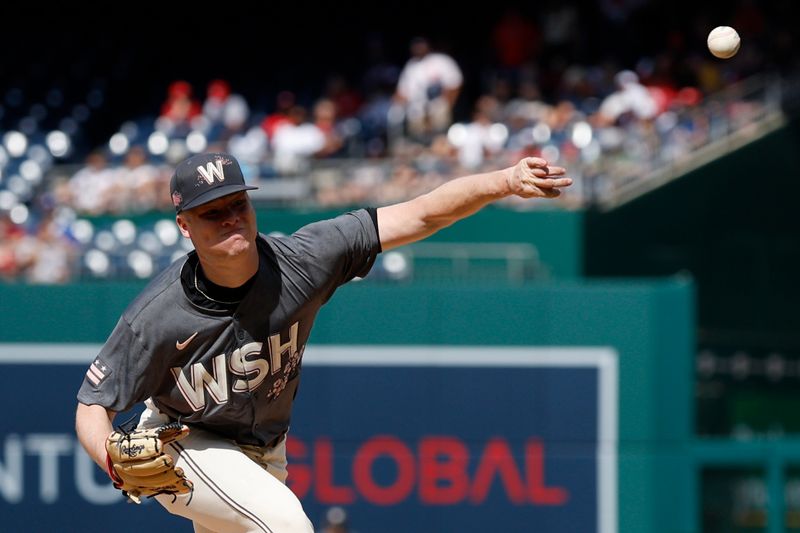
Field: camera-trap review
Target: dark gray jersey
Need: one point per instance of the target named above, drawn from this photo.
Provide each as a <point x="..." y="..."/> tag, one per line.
<point x="233" y="375"/>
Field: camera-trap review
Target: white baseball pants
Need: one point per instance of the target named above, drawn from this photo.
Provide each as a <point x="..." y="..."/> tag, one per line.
<point x="237" y="488"/>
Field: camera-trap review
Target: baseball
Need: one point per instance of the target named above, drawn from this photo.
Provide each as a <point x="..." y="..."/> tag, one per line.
<point x="723" y="42"/>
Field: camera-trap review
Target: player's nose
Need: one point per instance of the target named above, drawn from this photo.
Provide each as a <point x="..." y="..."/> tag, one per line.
<point x="231" y="216"/>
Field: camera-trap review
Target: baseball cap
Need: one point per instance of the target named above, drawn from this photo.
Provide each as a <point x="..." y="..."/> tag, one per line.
<point x="205" y="177"/>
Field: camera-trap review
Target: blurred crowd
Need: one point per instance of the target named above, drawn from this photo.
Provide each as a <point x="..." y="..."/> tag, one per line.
<point x="398" y="130"/>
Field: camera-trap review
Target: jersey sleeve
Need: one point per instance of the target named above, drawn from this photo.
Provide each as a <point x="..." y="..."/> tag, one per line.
<point x="337" y="250"/>
<point x="116" y="377"/>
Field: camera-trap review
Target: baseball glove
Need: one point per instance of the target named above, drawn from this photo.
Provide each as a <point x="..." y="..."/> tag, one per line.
<point x="138" y="465"/>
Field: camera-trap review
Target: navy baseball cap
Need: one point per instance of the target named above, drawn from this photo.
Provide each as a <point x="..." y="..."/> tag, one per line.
<point x="205" y="177"/>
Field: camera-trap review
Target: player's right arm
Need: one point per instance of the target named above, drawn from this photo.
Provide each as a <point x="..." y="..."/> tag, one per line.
<point x="423" y="216"/>
<point x="93" y="426"/>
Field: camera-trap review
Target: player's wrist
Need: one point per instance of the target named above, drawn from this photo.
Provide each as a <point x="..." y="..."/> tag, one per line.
<point x="507" y="182"/>
<point x="110" y="471"/>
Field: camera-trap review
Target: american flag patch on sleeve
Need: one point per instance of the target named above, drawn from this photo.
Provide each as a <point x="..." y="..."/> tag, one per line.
<point x="98" y="372"/>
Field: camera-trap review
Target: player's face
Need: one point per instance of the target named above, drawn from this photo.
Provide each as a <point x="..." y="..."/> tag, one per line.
<point x="225" y="226"/>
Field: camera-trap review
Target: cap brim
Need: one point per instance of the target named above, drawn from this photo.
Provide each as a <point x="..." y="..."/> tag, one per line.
<point x="213" y="194"/>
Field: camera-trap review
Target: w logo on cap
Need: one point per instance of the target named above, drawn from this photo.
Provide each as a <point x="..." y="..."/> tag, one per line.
<point x="205" y="177"/>
<point x="212" y="170"/>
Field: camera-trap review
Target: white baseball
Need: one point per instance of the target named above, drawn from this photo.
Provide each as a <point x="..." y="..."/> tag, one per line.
<point x="723" y="42"/>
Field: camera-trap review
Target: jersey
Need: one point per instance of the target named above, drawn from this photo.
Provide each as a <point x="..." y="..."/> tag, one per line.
<point x="236" y="374"/>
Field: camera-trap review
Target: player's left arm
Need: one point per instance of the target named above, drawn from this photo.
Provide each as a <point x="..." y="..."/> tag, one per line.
<point x="423" y="216"/>
<point x="93" y="424"/>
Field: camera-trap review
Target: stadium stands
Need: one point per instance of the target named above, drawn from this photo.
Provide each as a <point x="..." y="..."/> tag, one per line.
<point x="621" y="130"/>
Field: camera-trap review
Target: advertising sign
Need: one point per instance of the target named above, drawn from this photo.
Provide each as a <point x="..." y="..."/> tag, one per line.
<point x="402" y="438"/>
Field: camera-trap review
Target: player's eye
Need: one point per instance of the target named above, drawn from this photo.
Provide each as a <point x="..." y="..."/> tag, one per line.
<point x="213" y="214"/>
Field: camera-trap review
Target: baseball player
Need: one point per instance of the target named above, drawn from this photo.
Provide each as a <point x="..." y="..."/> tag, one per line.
<point x="213" y="345"/>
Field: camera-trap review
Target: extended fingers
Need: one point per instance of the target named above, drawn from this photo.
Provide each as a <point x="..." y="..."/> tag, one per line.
<point x="548" y="170"/>
<point x="553" y="182"/>
<point x="550" y="181"/>
<point x="547" y="179"/>
<point x="539" y="168"/>
<point x="537" y="162"/>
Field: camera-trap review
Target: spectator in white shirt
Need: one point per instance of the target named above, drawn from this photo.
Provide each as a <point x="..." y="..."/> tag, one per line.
<point x="427" y="89"/>
<point x="631" y="97"/>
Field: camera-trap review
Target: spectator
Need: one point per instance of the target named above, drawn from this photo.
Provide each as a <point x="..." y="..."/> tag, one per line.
<point x="326" y="120"/>
<point x="427" y="90"/>
<point x="378" y="85"/>
<point x="479" y="139"/>
<point x="144" y="183"/>
<point x="296" y="141"/>
<point x="284" y="102"/>
<point x="49" y="255"/>
<point x="631" y="98"/>
<point x="227" y="111"/>
<point x="348" y="100"/>
<point x="179" y="109"/>
<point x="90" y="187"/>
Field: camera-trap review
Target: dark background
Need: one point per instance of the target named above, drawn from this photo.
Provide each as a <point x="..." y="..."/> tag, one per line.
<point x="132" y="52"/>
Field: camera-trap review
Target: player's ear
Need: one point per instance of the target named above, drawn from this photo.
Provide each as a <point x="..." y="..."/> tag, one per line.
<point x="180" y="220"/>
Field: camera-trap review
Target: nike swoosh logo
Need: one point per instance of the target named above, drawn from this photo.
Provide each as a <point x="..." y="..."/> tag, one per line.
<point x="184" y="344"/>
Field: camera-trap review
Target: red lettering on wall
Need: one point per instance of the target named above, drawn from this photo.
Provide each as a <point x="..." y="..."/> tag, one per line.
<point x="537" y="491"/>
<point x="497" y="459"/>
<point x="325" y="490"/>
<point x="443" y="478"/>
<point x="299" y="479"/>
<point x="440" y="470"/>
<point x="392" y="447"/>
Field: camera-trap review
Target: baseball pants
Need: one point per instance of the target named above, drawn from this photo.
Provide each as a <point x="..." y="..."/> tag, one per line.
<point x="237" y="488"/>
